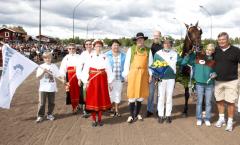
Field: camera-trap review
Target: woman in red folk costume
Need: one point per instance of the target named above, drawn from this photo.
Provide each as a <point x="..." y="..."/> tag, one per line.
<point x="97" y="74"/>
<point x="68" y="71"/>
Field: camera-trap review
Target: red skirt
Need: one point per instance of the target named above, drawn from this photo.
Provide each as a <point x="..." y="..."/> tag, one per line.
<point x="97" y="95"/>
<point x="74" y="89"/>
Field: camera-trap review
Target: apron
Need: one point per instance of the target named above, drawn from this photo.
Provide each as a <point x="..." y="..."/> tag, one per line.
<point x="138" y="77"/>
<point x="74" y="89"/>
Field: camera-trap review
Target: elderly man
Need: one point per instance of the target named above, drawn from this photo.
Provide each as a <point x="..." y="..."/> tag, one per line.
<point x="156" y="46"/>
<point x="227" y="58"/>
<point x="136" y="72"/>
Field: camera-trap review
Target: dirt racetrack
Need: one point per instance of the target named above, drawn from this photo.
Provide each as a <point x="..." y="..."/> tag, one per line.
<point x="18" y="125"/>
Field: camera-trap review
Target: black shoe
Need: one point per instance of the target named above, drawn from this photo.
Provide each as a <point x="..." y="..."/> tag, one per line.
<point x="148" y="114"/>
<point x="185" y="114"/>
<point x="85" y="114"/>
<point x="169" y="119"/>
<point x="110" y="111"/>
<point x="160" y="120"/>
<point x="78" y="108"/>
<point x="113" y="114"/>
<point x="94" y="124"/>
<point x="100" y="123"/>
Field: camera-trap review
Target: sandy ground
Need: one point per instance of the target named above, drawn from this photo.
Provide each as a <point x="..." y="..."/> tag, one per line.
<point x="18" y="125"/>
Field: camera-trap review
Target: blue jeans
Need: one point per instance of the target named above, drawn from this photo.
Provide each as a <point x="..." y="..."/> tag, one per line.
<point x="207" y="91"/>
<point x="150" y="103"/>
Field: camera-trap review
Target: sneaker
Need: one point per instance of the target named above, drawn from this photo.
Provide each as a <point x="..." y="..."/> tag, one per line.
<point x="139" y="117"/>
<point x="85" y="114"/>
<point x="169" y="119"/>
<point x="130" y="119"/>
<point x="94" y="124"/>
<point x="207" y="123"/>
<point x="148" y="114"/>
<point x="229" y="127"/>
<point x="118" y="114"/>
<point x="199" y="122"/>
<point x="220" y="123"/>
<point x="113" y="114"/>
<point x="100" y="123"/>
<point x="39" y="119"/>
<point x="160" y="119"/>
<point x="50" y="117"/>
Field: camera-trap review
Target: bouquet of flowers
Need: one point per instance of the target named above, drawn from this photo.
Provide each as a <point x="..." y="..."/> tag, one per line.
<point x="158" y="68"/>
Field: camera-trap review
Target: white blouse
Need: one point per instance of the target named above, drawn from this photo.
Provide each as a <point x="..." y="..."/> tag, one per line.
<point x="85" y="55"/>
<point x="98" y="62"/>
<point x="69" y="60"/>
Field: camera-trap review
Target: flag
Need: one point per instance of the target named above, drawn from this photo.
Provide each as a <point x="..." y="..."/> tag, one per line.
<point x="16" y="68"/>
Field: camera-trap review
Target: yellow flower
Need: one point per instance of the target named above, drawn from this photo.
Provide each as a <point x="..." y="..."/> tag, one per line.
<point x="159" y="63"/>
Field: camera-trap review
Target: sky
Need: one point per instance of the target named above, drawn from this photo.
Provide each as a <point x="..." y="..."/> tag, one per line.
<point x="122" y="18"/>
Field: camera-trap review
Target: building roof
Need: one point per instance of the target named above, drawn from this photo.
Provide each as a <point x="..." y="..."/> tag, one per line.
<point x="14" y="29"/>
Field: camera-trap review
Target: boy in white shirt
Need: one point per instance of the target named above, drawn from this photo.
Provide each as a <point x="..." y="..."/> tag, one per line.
<point x="47" y="88"/>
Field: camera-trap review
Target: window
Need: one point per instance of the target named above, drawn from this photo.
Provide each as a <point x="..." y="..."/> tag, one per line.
<point x="6" y="34"/>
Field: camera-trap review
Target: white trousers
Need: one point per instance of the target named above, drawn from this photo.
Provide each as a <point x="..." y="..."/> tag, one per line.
<point x="165" y="93"/>
<point x="116" y="93"/>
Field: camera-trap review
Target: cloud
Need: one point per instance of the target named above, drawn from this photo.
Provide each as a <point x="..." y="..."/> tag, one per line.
<point x="121" y="18"/>
<point x="221" y="7"/>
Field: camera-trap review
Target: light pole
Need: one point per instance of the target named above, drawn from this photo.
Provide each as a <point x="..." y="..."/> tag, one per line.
<point x="74" y="15"/>
<point x="180" y="26"/>
<point x="210" y="15"/>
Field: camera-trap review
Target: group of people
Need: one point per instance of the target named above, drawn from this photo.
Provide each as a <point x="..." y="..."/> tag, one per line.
<point x="94" y="80"/>
<point x="34" y="52"/>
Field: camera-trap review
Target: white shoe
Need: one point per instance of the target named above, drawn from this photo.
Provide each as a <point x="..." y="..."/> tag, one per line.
<point x="39" y="119"/>
<point x="229" y="127"/>
<point x="139" y="117"/>
<point x="199" y="122"/>
<point x="220" y="123"/>
<point x="130" y="119"/>
<point x="207" y="123"/>
<point x="50" y="117"/>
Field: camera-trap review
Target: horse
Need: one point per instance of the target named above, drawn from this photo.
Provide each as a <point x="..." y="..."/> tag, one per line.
<point x="192" y="42"/>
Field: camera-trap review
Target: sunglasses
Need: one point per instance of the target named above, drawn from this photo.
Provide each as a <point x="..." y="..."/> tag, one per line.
<point x="88" y="44"/>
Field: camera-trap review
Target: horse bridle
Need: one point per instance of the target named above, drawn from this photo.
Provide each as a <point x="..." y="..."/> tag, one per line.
<point x="196" y="47"/>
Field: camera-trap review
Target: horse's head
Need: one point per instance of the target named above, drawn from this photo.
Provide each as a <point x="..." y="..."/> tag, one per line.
<point x="193" y="37"/>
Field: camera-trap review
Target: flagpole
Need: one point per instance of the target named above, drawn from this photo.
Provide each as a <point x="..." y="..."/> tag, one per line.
<point x="40" y="23"/>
